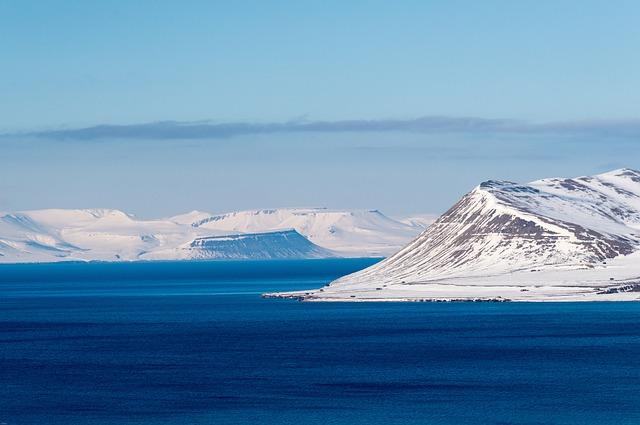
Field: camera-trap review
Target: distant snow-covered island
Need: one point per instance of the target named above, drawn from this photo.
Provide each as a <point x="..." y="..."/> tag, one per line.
<point x="54" y="235"/>
<point x="556" y="239"/>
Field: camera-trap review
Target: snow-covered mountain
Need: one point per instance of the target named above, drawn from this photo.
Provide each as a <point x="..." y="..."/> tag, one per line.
<point x="283" y="244"/>
<point x="348" y="233"/>
<point x="93" y="234"/>
<point x="112" y="235"/>
<point x="552" y="239"/>
<point x="418" y="220"/>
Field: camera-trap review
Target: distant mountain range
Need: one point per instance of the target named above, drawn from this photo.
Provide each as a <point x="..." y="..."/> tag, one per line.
<point x="552" y="239"/>
<point x="284" y="244"/>
<point x="112" y="235"/>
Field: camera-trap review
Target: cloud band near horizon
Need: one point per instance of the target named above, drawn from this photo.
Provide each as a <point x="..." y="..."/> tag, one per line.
<point x="625" y="129"/>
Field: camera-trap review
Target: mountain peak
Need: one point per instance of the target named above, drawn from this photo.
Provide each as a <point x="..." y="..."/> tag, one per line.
<point x="487" y="245"/>
<point x="496" y="184"/>
<point x="622" y="172"/>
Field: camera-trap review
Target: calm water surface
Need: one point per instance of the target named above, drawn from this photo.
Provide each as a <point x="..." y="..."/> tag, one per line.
<point x="193" y="343"/>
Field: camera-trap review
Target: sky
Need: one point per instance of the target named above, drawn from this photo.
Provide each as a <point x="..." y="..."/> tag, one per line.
<point x="160" y="107"/>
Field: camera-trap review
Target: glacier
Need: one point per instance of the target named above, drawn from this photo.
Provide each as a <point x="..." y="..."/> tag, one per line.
<point x="556" y="239"/>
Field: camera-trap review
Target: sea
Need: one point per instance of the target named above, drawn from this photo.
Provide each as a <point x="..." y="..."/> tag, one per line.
<point x="194" y="343"/>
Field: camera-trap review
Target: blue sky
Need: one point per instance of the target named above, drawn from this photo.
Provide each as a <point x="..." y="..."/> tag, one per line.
<point x="69" y="65"/>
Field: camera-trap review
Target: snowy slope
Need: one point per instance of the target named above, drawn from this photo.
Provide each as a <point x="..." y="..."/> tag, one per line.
<point x="549" y="239"/>
<point x="349" y="233"/>
<point x="190" y="217"/>
<point x="112" y="235"/>
<point x="286" y="244"/>
<point x="418" y="220"/>
<point x="94" y="234"/>
<point x="22" y="238"/>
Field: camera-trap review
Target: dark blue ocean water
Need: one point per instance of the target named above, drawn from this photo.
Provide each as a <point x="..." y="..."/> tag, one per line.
<point x="193" y="343"/>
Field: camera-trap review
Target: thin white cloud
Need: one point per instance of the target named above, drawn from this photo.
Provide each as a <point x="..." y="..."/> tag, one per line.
<point x="627" y="129"/>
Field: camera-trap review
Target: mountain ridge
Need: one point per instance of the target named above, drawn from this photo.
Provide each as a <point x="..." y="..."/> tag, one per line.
<point x="279" y="244"/>
<point x="347" y="232"/>
<point x="487" y="244"/>
<point x="112" y="235"/>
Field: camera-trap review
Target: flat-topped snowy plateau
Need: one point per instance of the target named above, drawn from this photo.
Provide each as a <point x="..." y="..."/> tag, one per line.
<point x="111" y="235"/>
<point x="557" y="239"/>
